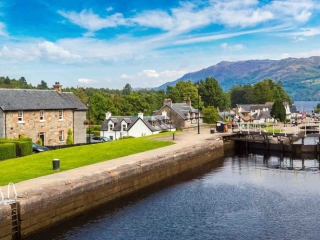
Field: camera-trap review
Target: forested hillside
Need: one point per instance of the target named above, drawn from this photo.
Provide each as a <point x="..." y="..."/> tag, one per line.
<point x="300" y="77"/>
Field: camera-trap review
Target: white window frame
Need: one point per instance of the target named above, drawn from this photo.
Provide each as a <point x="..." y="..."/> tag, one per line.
<point x="60" y="115"/>
<point x="42" y="115"/>
<point x="124" y="127"/>
<point x="61" y="135"/>
<point x="110" y="126"/>
<point x="20" y="116"/>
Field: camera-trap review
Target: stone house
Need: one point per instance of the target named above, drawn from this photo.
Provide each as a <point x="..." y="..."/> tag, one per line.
<point x="116" y="127"/>
<point x="42" y="114"/>
<point x="182" y="115"/>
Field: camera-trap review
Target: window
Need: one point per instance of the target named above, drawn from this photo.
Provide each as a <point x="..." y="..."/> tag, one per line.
<point x="124" y="127"/>
<point x="60" y="114"/>
<point x="61" y="137"/>
<point x="110" y="127"/>
<point x="41" y="115"/>
<point x="20" y="116"/>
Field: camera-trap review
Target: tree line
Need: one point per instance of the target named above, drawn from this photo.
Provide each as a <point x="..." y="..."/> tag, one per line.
<point x="205" y="94"/>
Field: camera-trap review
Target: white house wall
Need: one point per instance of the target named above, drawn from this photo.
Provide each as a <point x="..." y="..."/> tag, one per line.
<point x="139" y="129"/>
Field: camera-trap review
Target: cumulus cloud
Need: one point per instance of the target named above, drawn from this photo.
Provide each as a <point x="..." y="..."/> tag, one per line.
<point x="126" y="77"/>
<point x="87" y="81"/>
<point x="149" y="74"/>
<point x="232" y="47"/>
<point x="51" y="51"/>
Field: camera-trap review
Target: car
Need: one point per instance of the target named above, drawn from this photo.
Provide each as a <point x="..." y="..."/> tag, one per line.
<point x="37" y="148"/>
<point x="96" y="139"/>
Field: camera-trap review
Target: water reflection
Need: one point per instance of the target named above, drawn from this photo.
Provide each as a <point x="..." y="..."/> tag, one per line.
<point x="243" y="196"/>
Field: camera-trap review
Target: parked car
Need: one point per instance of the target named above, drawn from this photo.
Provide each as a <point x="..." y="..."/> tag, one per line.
<point x="99" y="139"/>
<point x="37" y="148"/>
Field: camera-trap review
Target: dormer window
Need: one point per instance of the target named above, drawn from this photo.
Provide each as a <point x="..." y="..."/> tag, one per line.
<point x="20" y="116"/>
<point x="124" y="127"/>
<point x="110" y="127"/>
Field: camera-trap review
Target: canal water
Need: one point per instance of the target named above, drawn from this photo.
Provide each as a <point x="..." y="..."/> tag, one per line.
<point x="244" y="196"/>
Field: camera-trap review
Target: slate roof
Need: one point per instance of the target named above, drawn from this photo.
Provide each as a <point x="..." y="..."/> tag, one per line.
<point x="182" y="109"/>
<point x="30" y="99"/>
<point x="132" y="120"/>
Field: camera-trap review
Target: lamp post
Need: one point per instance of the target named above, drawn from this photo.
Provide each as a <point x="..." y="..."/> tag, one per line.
<point x="88" y="105"/>
<point x="273" y="125"/>
<point x="198" y="85"/>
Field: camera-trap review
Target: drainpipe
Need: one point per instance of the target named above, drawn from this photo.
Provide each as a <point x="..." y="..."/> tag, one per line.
<point x="5" y="124"/>
<point x="73" y="126"/>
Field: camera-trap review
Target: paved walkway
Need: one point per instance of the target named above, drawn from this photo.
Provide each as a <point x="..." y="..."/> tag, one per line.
<point x="182" y="140"/>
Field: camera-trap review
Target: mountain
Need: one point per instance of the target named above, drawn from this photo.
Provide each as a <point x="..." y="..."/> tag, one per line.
<point x="300" y="77"/>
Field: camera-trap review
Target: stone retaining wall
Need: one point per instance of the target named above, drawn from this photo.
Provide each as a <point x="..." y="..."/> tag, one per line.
<point x="41" y="208"/>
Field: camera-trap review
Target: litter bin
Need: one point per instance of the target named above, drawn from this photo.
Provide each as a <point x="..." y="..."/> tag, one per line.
<point x="211" y="130"/>
<point x="221" y="126"/>
<point x="56" y="164"/>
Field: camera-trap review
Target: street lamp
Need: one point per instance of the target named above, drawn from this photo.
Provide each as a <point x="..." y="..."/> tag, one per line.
<point x="198" y="85"/>
<point x="88" y="105"/>
<point x="273" y="125"/>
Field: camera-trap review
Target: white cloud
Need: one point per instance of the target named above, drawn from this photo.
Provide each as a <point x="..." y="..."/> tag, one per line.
<point x="310" y="32"/>
<point x="149" y="74"/>
<point x="3" y="29"/>
<point x="126" y="77"/>
<point x="51" y="51"/>
<point x="87" y="81"/>
<point x="297" y="39"/>
<point x="232" y="47"/>
<point x="92" y="22"/>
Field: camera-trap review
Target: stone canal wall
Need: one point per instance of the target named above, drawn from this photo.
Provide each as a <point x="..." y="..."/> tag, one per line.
<point x="47" y="200"/>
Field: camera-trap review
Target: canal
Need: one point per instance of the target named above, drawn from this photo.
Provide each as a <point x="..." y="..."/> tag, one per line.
<point x="244" y="196"/>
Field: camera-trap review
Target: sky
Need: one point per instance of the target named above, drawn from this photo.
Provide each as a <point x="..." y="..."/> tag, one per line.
<point x="109" y="43"/>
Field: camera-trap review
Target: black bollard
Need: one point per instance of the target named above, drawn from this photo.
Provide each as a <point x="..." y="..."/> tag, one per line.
<point x="56" y="164"/>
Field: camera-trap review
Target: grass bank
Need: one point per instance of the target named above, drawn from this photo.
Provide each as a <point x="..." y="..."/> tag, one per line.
<point x="36" y="165"/>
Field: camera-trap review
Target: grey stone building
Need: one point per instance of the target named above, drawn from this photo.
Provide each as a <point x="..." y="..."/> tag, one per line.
<point x="42" y="114"/>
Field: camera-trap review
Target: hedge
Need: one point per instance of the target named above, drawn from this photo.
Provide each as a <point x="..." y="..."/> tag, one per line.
<point x="25" y="144"/>
<point x="7" y="150"/>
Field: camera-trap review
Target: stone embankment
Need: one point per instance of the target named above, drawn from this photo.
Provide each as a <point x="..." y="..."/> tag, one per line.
<point x="50" y="199"/>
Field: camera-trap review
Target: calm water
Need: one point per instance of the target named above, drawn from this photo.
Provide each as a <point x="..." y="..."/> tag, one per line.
<point x="306" y="106"/>
<point x="239" y="197"/>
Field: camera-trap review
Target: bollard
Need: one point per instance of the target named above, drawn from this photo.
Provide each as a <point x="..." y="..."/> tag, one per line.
<point x="172" y="136"/>
<point x="56" y="164"/>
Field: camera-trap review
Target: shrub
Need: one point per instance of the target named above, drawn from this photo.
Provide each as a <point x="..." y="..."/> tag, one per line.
<point x="69" y="138"/>
<point x="7" y="150"/>
<point x="95" y="133"/>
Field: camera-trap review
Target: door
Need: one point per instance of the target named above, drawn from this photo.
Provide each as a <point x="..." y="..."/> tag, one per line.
<point x="42" y="137"/>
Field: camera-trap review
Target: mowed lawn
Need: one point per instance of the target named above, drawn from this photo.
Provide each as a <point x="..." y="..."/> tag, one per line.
<point x="40" y="164"/>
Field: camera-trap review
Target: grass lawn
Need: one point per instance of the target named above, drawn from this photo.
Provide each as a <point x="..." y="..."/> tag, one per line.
<point x="40" y="164"/>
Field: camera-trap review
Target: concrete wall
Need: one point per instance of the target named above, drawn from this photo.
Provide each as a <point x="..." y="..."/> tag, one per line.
<point x="41" y="208"/>
<point x="5" y="222"/>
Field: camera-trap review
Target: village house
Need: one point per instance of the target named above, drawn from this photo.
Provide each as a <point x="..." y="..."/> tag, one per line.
<point x="182" y="115"/>
<point x="42" y="114"/>
<point x="116" y="127"/>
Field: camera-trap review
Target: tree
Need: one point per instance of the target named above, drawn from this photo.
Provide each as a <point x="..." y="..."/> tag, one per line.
<point x="210" y="114"/>
<point x="212" y="94"/>
<point x="69" y="137"/>
<point x="127" y="89"/>
<point x="278" y="110"/>
<point x="42" y="85"/>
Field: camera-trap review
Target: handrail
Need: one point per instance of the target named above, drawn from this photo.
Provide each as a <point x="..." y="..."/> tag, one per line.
<point x="14" y="190"/>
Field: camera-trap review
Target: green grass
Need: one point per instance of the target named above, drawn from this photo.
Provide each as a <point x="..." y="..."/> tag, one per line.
<point x="40" y="164"/>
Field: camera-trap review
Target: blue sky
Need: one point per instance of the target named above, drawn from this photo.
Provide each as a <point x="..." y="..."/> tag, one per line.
<point x="108" y="43"/>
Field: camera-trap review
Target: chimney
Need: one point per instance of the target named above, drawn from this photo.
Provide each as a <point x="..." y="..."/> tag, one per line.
<point x="168" y="102"/>
<point x="108" y="115"/>
<point x="58" y="87"/>
<point x="140" y="115"/>
<point x="188" y="102"/>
